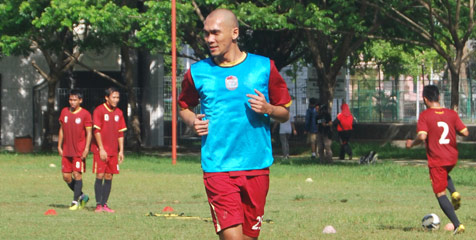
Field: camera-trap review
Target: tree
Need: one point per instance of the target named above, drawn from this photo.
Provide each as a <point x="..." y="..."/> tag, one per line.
<point x="330" y="31"/>
<point x="45" y="26"/>
<point x="326" y="32"/>
<point x="265" y="30"/>
<point x="114" y="25"/>
<point x="350" y="23"/>
<point x="131" y="26"/>
<point x="48" y="26"/>
<point x="396" y="59"/>
<point x="260" y="39"/>
<point x="444" y="25"/>
<point x="386" y="60"/>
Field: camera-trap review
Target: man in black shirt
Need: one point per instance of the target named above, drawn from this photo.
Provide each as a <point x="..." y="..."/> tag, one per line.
<point x="324" y="134"/>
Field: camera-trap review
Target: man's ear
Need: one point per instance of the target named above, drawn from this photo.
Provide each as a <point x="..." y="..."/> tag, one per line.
<point x="235" y="34"/>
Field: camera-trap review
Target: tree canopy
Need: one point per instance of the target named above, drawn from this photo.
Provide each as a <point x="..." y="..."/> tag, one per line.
<point x="62" y="30"/>
<point x="47" y="27"/>
<point x="444" y="25"/>
<point x="326" y="34"/>
<point x="323" y="32"/>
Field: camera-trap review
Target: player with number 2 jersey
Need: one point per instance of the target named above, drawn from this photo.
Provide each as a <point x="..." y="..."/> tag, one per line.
<point x="437" y="127"/>
<point x="440" y="125"/>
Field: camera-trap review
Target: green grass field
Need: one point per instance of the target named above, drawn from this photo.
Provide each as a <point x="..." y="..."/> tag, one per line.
<point x="381" y="201"/>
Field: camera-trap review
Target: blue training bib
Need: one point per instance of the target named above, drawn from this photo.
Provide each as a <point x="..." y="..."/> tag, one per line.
<point x="238" y="138"/>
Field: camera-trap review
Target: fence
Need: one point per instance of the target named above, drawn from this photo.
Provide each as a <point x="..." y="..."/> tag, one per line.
<point x="402" y="101"/>
<point x="92" y="97"/>
<point x="393" y="101"/>
<point x="369" y="100"/>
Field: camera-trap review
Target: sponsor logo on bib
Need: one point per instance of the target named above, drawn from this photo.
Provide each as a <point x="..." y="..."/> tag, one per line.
<point x="231" y="83"/>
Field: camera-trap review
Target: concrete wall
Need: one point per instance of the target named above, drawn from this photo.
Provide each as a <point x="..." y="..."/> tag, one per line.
<point x="18" y="79"/>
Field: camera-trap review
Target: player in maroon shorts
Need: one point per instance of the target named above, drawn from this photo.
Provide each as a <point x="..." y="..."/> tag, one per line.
<point x="107" y="146"/>
<point x="239" y="93"/>
<point x="437" y="127"/>
<point x="74" y="139"/>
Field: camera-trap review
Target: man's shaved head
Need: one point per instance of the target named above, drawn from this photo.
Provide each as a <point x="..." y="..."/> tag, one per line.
<point x="221" y="32"/>
<point x="224" y="15"/>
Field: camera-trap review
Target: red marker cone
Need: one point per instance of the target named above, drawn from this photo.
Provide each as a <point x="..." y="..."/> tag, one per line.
<point x="50" y="212"/>
<point x="167" y="209"/>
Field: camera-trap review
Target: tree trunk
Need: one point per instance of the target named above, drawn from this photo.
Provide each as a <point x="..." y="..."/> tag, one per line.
<point x="326" y="92"/>
<point x="455" y="71"/>
<point x="454" y="90"/>
<point x="327" y="69"/>
<point x="49" y="124"/>
<point x="134" y="120"/>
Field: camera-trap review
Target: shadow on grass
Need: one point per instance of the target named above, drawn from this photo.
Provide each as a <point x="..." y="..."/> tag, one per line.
<point x="405" y="229"/>
<point x="155" y="158"/>
<point x="302" y="161"/>
<point x="63" y="206"/>
<point x="58" y="205"/>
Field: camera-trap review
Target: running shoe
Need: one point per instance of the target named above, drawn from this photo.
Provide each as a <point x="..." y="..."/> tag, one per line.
<point x="456" y="200"/>
<point x="458" y="230"/>
<point x="83" y="199"/>
<point x="74" y="206"/>
<point x="105" y="208"/>
<point x="98" y="208"/>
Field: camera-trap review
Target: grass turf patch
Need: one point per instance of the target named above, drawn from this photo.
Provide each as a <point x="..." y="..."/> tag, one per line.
<point x="381" y="201"/>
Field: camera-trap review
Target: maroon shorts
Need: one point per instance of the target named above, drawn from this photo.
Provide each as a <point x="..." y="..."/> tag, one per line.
<point x="237" y="200"/>
<point x="109" y="166"/>
<point x="439" y="177"/>
<point x="72" y="164"/>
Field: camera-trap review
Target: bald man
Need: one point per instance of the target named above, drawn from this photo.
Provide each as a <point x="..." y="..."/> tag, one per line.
<point x="238" y="92"/>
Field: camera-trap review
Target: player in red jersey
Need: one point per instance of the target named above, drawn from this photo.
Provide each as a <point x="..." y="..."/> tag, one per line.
<point x="437" y="127"/>
<point x="74" y="138"/>
<point x="107" y="146"/>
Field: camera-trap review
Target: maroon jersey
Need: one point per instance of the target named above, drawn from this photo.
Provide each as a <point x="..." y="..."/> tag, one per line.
<point x="74" y="131"/>
<point x="440" y="125"/>
<point x="110" y="123"/>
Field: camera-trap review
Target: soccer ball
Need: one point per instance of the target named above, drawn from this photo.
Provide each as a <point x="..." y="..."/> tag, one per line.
<point x="431" y="222"/>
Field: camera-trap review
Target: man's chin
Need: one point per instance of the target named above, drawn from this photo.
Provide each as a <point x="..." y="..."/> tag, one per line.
<point x="214" y="52"/>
